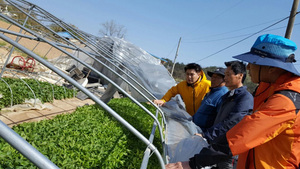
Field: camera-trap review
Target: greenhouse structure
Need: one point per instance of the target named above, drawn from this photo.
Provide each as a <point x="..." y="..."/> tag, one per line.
<point x="43" y="47"/>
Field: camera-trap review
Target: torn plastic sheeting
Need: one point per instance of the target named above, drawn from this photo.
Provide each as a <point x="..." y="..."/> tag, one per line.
<point x="148" y="70"/>
<point x="155" y="78"/>
<point x="187" y="148"/>
<point x="181" y="131"/>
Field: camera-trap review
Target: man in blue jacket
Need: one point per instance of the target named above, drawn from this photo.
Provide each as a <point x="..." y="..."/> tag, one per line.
<point x="210" y="105"/>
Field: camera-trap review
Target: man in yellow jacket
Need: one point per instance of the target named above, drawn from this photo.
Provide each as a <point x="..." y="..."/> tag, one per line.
<point x="192" y="90"/>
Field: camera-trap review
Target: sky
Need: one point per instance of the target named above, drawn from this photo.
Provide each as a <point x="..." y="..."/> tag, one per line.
<point x="211" y="31"/>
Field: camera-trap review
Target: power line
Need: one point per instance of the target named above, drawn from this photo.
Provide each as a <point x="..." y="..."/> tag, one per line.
<point x="243" y="39"/>
<point x="233" y="37"/>
<point x="221" y="13"/>
<point x="248" y="27"/>
<point x="171" y="51"/>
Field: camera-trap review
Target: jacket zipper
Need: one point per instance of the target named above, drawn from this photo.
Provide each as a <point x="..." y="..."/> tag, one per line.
<point x="194" y="99"/>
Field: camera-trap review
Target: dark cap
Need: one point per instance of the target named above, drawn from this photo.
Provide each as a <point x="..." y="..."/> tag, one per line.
<point x="219" y="71"/>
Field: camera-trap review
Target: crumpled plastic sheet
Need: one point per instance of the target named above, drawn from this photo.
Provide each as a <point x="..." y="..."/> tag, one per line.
<point x="181" y="141"/>
<point x="187" y="148"/>
<point x="147" y="69"/>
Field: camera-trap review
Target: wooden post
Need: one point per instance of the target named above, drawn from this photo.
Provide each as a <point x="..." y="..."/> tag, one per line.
<point x="175" y="57"/>
<point x="289" y="28"/>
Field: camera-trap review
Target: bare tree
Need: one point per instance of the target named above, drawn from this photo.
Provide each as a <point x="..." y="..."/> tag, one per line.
<point x="110" y="28"/>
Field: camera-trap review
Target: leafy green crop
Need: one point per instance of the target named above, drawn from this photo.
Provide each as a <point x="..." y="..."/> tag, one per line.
<point x="87" y="138"/>
<point x="42" y="90"/>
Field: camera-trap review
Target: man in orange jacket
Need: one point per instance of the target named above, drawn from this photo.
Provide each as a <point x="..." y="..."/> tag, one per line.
<point x="270" y="136"/>
<point x="275" y="140"/>
<point x="192" y="90"/>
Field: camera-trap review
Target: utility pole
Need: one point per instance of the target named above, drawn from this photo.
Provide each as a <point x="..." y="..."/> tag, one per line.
<point x="175" y="57"/>
<point x="291" y="19"/>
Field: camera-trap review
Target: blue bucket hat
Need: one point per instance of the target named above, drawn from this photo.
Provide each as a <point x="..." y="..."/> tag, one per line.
<point x="272" y="50"/>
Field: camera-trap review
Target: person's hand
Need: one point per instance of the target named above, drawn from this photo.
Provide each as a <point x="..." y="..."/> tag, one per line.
<point x="178" y="165"/>
<point x="159" y="102"/>
<point x="198" y="134"/>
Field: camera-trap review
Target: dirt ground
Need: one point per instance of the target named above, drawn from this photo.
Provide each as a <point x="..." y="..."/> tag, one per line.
<point x="40" y="48"/>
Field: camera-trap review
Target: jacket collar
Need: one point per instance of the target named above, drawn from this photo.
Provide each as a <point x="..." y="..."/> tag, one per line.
<point x="196" y="83"/>
<point x="217" y="88"/>
<point x="287" y="82"/>
<point x="284" y="82"/>
<point x="237" y="91"/>
<point x="202" y="77"/>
